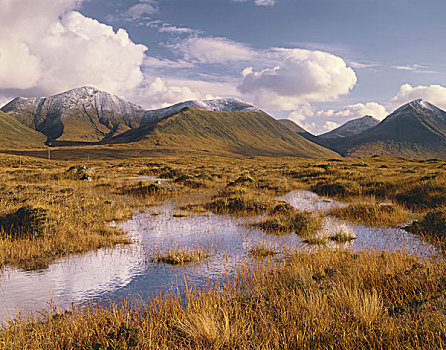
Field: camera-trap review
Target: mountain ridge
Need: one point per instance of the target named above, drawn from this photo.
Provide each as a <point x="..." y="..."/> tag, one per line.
<point x="416" y="129"/>
<point x="352" y="127"/>
<point x="82" y="114"/>
<point x="252" y="133"/>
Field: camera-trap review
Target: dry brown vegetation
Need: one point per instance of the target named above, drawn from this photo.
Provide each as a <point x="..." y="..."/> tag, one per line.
<point x="77" y="212"/>
<point x="373" y="214"/>
<point x="183" y="256"/>
<point x="323" y="299"/>
<point x="315" y="300"/>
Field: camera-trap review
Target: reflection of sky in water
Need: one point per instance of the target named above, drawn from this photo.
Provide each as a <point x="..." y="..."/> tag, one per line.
<point x="126" y="272"/>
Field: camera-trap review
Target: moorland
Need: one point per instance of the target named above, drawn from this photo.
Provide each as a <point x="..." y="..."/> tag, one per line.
<point x="317" y="298"/>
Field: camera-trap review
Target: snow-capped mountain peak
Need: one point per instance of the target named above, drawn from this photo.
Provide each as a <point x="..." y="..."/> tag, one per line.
<point x="353" y="127"/>
<point x="421" y="107"/>
<point x="223" y="104"/>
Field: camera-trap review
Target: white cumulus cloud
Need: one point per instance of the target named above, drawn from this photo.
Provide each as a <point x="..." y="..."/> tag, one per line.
<point x="355" y="111"/>
<point x="435" y="94"/>
<point x="296" y="76"/>
<point x="330" y="125"/>
<point x="161" y="93"/>
<point x="144" y="7"/>
<point x="260" y="2"/>
<point x="49" y="47"/>
<point x="303" y="112"/>
<point x="213" y="50"/>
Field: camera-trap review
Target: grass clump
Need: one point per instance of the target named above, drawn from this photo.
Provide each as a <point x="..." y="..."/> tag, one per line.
<point x="315" y="240"/>
<point x="307" y="223"/>
<point x="234" y="205"/>
<point x="426" y="196"/>
<point x="342" y="234"/>
<point x="262" y="251"/>
<point x="283" y="208"/>
<point x="302" y="223"/>
<point x="337" y="189"/>
<point x="24" y="223"/>
<point x="277" y="225"/>
<point x="433" y="224"/>
<point x="182" y="256"/>
<point x="142" y="190"/>
<point x="372" y="214"/>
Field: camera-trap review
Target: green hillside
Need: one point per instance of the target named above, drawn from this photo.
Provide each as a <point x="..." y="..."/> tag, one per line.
<point x="243" y="133"/>
<point x="14" y="135"/>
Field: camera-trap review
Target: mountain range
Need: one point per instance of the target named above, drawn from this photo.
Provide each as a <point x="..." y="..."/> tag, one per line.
<point x="415" y="130"/>
<point x="88" y="116"/>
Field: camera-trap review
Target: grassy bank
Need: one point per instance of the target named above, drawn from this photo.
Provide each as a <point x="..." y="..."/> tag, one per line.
<point x="323" y="300"/>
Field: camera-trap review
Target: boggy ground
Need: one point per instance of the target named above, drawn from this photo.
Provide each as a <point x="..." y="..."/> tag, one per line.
<point x="74" y="214"/>
<point x="315" y="300"/>
<point x="319" y="300"/>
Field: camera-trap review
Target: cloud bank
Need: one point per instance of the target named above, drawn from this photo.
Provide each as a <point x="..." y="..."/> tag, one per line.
<point x="435" y="94"/>
<point x="295" y="77"/>
<point x="50" y="48"/>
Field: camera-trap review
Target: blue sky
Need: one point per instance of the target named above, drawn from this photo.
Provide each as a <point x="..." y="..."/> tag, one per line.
<point x="318" y="62"/>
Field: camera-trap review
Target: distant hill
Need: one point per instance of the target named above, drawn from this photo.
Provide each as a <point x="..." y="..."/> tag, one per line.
<point x="415" y="130"/>
<point x="84" y="114"/>
<point x="14" y="135"/>
<point x="352" y="127"/>
<point x="223" y="132"/>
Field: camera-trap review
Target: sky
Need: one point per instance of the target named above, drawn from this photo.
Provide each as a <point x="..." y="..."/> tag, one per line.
<point x="319" y="63"/>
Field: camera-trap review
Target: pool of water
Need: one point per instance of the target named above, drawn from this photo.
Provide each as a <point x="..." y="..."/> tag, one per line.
<point x="128" y="271"/>
<point x="146" y="178"/>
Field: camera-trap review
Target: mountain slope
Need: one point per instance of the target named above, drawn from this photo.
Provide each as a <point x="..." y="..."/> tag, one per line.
<point x="83" y="114"/>
<point x="292" y="126"/>
<point x="224" y="132"/>
<point x="416" y="130"/>
<point x="352" y="127"/>
<point x="304" y="133"/>
<point x="14" y="135"/>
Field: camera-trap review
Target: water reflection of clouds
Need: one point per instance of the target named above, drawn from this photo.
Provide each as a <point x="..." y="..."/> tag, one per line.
<point x="127" y="272"/>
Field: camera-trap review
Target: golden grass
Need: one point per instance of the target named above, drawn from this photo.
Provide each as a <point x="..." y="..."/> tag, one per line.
<point x="79" y="212"/>
<point x="325" y="299"/>
<point x="302" y="223"/>
<point x="183" y="256"/>
<point x="262" y="251"/>
<point x="322" y="299"/>
<point x="372" y="214"/>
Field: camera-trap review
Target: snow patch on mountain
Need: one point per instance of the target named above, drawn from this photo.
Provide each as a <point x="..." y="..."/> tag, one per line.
<point x="86" y="97"/>
<point x="353" y="127"/>
<point x="420" y="106"/>
<point x="223" y="104"/>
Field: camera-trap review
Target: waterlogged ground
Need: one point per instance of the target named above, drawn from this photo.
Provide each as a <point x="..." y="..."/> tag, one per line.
<point x="129" y="272"/>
